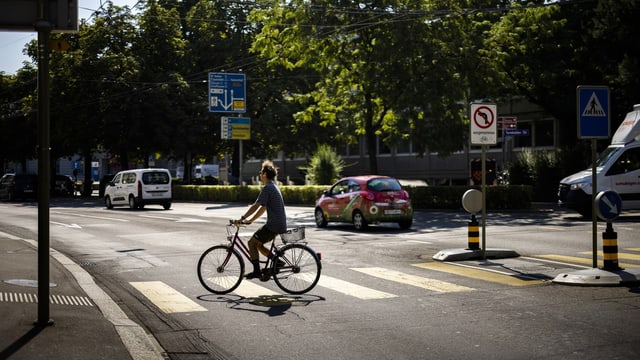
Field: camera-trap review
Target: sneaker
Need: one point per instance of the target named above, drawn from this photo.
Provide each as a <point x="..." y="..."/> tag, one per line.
<point x="253" y="275"/>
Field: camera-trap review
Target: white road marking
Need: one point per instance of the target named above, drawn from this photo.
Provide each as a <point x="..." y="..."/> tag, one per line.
<point x="413" y="280"/>
<point x="351" y="289"/>
<point x="166" y="298"/>
<point x="249" y="289"/>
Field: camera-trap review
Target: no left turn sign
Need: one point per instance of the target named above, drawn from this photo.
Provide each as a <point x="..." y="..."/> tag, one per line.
<point x="483" y="124"/>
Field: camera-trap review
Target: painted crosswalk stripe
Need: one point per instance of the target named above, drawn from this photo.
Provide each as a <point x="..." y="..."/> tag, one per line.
<point x="413" y="280"/>
<point x="166" y="298"/>
<point x="351" y="289"/>
<point x="249" y="289"/>
<point x="621" y="255"/>
<point x="481" y="274"/>
<point x="579" y="260"/>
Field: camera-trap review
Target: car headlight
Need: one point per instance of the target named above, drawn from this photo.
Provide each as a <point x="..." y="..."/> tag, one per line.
<point x="581" y="185"/>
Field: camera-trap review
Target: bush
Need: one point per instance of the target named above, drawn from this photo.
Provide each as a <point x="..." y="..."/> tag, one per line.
<point x="540" y="169"/>
<point x="422" y="197"/>
<point x="325" y="166"/>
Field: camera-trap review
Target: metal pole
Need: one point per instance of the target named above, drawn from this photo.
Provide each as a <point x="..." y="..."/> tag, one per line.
<point x="43" y="26"/>
<point x="594" y="191"/>
<point x="484" y="204"/>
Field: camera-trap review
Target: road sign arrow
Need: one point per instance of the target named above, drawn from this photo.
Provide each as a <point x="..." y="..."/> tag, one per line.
<point x="613" y="208"/>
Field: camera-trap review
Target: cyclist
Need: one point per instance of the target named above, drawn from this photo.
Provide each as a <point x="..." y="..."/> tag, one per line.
<point x="269" y="200"/>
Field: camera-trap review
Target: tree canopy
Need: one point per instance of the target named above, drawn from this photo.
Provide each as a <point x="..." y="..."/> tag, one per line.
<point x="318" y="72"/>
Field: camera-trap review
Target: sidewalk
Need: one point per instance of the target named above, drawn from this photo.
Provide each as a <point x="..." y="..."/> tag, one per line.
<point x="87" y="323"/>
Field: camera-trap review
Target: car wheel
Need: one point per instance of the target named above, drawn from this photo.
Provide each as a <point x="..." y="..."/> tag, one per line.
<point x="405" y="224"/>
<point x="321" y="221"/>
<point x="107" y="202"/>
<point x="132" y="202"/>
<point x="166" y="205"/>
<point x="358" y="220"/>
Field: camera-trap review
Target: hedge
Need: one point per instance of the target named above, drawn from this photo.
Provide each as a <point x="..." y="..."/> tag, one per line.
<point x="422" y="197"/>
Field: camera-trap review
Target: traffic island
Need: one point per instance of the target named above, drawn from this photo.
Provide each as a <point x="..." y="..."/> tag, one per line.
<point x="474" y="254"/>
<point x="599" y="277"/>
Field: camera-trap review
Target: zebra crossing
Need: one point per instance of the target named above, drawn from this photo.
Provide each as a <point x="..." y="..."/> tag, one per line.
<point x="425" y="276"/>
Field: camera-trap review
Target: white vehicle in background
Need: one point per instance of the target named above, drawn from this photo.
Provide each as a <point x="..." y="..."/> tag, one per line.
<point x="617" y="169"/>
<point x="201" y="171"/>
<point x="138" y="188"/>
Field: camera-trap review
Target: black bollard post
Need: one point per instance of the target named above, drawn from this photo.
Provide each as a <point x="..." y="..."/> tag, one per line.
<point x="610" y="249"/>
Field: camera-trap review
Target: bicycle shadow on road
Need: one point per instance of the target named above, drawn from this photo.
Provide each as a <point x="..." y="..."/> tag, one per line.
<point x="276" y="305"/>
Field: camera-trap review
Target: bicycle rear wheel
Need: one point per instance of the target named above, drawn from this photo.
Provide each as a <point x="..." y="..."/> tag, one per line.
<point x="299" y="271"/>
<point x="220" y="269"/>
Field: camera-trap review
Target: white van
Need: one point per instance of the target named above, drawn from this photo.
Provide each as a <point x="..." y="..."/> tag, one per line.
<point x="139" y="187"/>
<point x="617" y="168"/>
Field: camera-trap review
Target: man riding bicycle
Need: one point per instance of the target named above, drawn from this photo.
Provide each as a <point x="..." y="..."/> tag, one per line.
<point x="269" y="200"/>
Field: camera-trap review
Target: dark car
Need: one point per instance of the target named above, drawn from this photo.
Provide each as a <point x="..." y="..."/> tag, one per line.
<point x="363" y="200"/>
<point x="18" y="186"/>
<point x="63" y="186"/>
<point x="104" y="181"/>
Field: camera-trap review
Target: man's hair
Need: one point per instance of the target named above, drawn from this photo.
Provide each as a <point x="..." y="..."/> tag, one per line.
<point x="269" y="169"/>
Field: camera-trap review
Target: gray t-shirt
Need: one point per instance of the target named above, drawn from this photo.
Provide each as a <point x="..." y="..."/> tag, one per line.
<point x="271" y="197"/>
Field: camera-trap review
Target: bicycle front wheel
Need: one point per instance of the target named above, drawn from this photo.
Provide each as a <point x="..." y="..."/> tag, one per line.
<point x="297" y="269"/>
<point x="220" y="269"/>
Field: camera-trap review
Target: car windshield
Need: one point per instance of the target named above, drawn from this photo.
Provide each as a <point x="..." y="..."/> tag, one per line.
<point x="384" y="184"/>
<point x="605" y="156"/>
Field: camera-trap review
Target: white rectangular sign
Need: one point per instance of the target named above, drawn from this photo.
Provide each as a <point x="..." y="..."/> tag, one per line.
<point x="484" y="124"/>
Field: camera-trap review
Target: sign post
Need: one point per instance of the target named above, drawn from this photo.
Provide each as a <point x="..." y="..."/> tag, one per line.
<point x="484" y="131"/>
<point x="593" y="123"/>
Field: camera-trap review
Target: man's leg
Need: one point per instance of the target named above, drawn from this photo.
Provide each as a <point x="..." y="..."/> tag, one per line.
<point x="254" y="245"/>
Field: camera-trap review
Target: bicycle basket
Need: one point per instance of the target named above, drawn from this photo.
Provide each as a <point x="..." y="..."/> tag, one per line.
<point x="293" y="235"/>
<point x="231" y="231"/>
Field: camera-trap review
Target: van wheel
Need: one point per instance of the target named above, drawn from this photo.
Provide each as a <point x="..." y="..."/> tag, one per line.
<point x="166" y="205"/>
<point x="132" y="202"/>
<point x="107" y="202"/>
<point x="358" y="220"/>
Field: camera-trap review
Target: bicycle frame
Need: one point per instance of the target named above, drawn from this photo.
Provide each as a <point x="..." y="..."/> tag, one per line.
<point x="237" y="243"/>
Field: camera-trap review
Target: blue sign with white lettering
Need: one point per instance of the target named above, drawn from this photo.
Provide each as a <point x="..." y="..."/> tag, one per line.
<point x="227" y="93"/>
<point x="608" y="205"/>
<point x="593" y="112"/>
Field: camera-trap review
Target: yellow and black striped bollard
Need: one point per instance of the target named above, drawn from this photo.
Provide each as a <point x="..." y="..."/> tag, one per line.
<point x="610" y="249"/>
<point x="474" y="234"/>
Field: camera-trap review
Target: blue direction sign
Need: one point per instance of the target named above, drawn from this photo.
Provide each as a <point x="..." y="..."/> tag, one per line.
<point x="227" y="93"/>
<point x="235" y="128"/>
<point x="519" y="132"/>
<point x="608" y="205"/>
<point x="593" y="112"/>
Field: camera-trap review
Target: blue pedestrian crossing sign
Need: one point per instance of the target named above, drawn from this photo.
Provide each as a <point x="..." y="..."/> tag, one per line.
<point x="593" y="112"/>
<point x="608" y="205"/>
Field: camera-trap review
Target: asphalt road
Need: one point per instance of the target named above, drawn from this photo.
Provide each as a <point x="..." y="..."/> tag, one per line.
<point x="381" y="296"/>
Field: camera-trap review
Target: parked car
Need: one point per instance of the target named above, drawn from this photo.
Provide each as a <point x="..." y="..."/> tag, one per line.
<point x="104" y="181"/>
<point x="139" y="187"/>
<point x="63" y="186"/>
<point x="18" y="186"/>
<point x="363" y="200"/>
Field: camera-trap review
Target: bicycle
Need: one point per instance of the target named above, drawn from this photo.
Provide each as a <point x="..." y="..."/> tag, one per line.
<point x="294" y="266"/>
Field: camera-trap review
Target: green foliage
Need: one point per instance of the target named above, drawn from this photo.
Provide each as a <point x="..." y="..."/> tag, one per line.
<point x="540" y="169"/>
<point x="319" y="72"/>
<point x="325" y="166"/>
<point x="422" y="197"/>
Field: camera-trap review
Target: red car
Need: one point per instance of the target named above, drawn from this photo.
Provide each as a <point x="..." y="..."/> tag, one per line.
<point x="363" y="200"/>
